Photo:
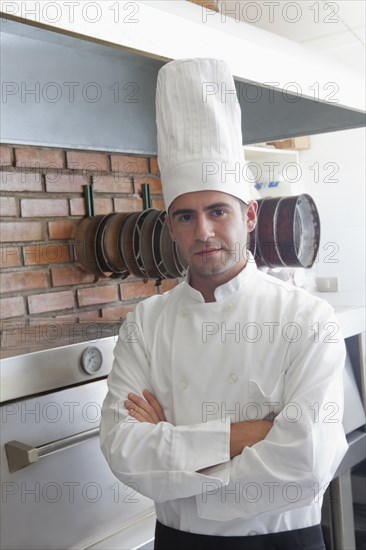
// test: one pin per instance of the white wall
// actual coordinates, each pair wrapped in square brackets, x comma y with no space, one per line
[340,197]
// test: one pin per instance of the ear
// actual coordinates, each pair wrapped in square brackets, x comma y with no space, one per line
[252,215]
[169,224]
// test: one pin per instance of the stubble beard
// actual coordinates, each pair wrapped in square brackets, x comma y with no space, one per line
[204,265]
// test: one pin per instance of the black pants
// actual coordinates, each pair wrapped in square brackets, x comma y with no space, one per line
[310,538]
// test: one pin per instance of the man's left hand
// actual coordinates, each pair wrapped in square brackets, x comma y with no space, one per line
[145,411]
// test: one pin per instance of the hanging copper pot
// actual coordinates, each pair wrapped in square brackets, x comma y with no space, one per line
[297,231]
[169,254]
[157,252]
[147,245]
[126,247]
[85,245]
[99,245]
[89,250]
[110,242]
[288,231]
[266,232]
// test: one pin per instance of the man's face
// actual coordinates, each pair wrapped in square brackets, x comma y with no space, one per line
[210,229]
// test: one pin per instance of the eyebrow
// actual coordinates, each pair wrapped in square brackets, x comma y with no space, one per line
[209,207]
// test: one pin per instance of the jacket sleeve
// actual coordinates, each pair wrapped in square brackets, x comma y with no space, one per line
[294,464]
[161,460]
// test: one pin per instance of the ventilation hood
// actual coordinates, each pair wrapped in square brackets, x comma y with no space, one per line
[284,89]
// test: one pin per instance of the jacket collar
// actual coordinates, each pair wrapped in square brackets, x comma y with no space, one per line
[224,291]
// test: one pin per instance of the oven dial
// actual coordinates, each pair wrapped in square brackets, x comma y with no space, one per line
[91,360]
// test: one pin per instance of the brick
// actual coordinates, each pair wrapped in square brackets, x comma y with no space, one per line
[64,276]
[117,313]
[6,155]
[130,291]
[158,203]
[12,307]
[52,301]
[46,253]
[155,184]
[77,207]
[80,315]
[167,284]
[154,166]
[129,164]
[92,162]
[13,334]
[44,207]
[10,256]
[62,229]
[97,295]
[128,204]
[113,184]
[20,231]
[23,280]
[101,206]
[8,206]
[34,157]
[21,181]
[65,183]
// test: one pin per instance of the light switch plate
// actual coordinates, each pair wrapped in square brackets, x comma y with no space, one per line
[327,284]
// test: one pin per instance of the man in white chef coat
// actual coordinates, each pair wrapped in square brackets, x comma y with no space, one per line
[225,399]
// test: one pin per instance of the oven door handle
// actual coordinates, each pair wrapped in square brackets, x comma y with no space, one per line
[20,455]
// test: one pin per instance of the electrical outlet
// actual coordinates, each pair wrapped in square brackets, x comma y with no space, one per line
[327,284]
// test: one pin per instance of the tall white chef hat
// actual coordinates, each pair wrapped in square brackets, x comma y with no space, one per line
[198,119]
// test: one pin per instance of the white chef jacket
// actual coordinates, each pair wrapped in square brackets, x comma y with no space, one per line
[264,349]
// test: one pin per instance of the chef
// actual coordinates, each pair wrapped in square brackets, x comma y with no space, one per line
[225,398]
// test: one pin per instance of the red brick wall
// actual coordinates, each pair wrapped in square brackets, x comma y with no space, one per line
[41,204]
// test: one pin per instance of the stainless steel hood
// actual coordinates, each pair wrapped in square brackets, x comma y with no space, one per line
[277,115]
[88,81]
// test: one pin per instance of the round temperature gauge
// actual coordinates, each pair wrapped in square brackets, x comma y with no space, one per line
[91,360]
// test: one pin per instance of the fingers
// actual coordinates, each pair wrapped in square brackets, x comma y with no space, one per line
[141,409]
[145,411]
[151,399]
[134,411]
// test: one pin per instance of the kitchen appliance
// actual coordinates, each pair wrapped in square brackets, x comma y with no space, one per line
[57,489]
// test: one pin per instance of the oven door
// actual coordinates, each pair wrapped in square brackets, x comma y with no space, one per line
[68,498]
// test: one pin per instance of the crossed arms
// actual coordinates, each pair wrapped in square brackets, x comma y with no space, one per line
[242,434]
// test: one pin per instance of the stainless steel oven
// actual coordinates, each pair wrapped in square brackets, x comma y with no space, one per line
[57,489]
